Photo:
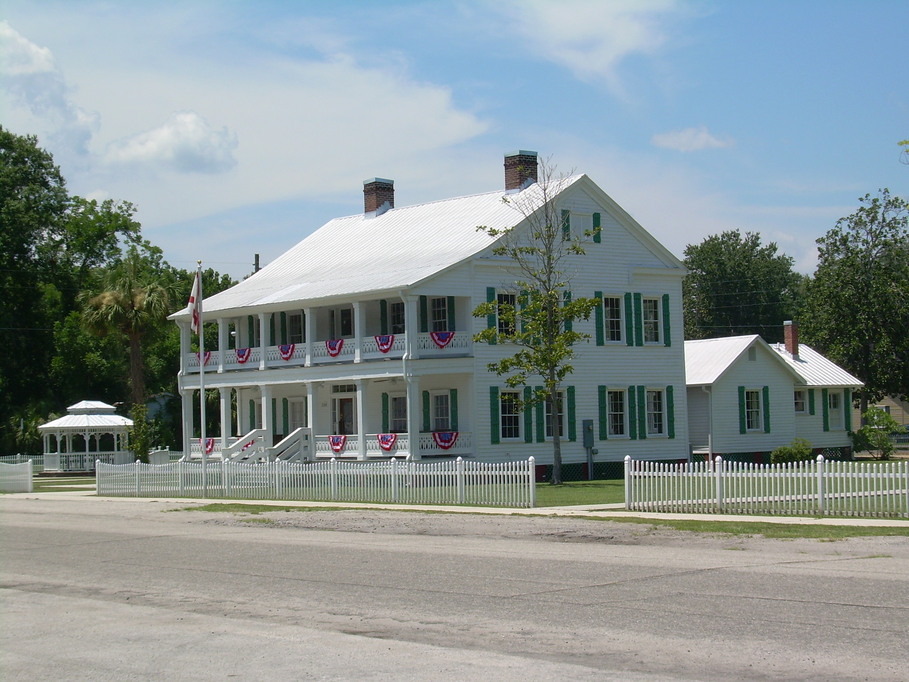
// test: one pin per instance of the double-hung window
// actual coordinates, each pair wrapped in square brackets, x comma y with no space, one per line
[509,415]
[612,307]
[398,414]
[441,411]
[799,401]
[439,314]
[616,415]
[656,418]
[753,421]
[560,415]
[506,310]
[651,320]
[295,328]
[396,317]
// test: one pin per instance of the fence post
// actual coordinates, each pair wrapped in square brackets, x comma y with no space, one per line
[334,479]
[138,484]
[98,485]
[820,484]
[394,479]
[181,469]
[718,478]
[459,468]
[628,496]
[532,481]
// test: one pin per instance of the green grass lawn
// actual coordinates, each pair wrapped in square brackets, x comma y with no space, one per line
[580,492]
[61,484]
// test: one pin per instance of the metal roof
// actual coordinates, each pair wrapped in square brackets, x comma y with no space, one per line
[816,369]
[370,252]
[86,416]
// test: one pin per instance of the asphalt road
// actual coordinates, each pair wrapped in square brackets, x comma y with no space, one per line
[126,590]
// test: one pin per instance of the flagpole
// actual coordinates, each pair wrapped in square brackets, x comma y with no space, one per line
[202,386]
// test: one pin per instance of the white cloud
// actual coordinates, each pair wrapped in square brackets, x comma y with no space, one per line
[185,143]
[591,37]
[690,140]
[31,79]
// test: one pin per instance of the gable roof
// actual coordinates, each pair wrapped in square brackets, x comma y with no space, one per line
[816,369]
[371,252]
[706,360]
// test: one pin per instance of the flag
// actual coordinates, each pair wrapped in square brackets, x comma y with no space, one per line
[194,306]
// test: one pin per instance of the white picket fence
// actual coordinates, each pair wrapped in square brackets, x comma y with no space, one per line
[814,488]
[36,460]
[16,478]
[502,484]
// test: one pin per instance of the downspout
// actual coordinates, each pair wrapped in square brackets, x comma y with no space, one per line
[709,393]
[408,380]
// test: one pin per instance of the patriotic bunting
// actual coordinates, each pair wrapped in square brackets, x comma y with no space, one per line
[243,355]
[385,342]
[441,339]
[337,443]
[334,346]
[445,439]
[207,358]
[209,445]
[287,350]
[387,440]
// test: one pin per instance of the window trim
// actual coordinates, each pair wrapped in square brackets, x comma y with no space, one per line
[656,322]
[513,302]
[796,400]
[662,413]
[547,413]
[517,415]
[392,399]
[623,394]
[620,307]
[434,416]
[397,309]
[758,413]
[436,323]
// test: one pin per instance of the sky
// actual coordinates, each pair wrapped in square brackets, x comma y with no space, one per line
[238,128]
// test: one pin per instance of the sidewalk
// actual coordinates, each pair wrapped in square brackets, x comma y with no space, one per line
[599,511]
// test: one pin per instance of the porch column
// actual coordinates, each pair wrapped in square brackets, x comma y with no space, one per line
[222,342]
[307,336]
[263,339]
[311,410]
[361,419]
[268,417]
[358,330]
[414,416]
[187,403]
[412,326]
[184,346]
[224,393]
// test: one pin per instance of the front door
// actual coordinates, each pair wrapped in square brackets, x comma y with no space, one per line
[343,416]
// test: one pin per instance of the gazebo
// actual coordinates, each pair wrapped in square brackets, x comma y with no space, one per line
[90,430]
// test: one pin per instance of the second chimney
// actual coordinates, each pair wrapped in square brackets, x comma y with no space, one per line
[520,169]
[378,195]
[791,337]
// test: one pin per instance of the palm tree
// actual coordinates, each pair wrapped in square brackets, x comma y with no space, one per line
[131,303]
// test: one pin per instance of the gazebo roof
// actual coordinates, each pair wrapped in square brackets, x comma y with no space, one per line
[88,415]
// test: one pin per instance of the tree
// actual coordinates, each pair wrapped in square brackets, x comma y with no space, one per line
[736,285]
[875,434]
[539,321]
[132,302]
[856,308]
[904,156]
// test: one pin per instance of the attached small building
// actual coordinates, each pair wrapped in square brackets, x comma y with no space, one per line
[747,397]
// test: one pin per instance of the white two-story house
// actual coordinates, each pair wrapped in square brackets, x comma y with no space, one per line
[361,336]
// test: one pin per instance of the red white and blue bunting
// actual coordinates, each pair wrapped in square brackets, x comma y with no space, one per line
[445,439]
[334,346]
[441,339]
[207,358]
[385,341]
[287,350]
[387,440]
[243,355]
[337,443]
[209,445]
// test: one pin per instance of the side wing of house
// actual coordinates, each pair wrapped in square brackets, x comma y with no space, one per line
[823,416]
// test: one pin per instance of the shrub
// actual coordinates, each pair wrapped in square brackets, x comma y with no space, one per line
[798,450]
[874,436]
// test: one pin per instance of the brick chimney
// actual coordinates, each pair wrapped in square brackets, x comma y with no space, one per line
[520,169]
[378,195]
[791,337]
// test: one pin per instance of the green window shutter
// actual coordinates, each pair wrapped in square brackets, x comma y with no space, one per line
[285,409]
[598,319]
[385,420]
[629,320]
[602,414]
[566,299]
[271,330]
[541,419]
[426,421]
[642,412]
[638,320]
[383,318]
[494,415]
[597,234]
[274,411]
[424,314]
[743,424]
[283,327]
[566,224]
[847,408]
[765,394]
[451,313]
[670,411]
[667,327]
[825,406]
[632,413]
[528,415]
[251,328]
[252,415]
[810,401]
[491,317]
[572,426]
[453,406]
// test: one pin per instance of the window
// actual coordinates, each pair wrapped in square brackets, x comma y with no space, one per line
[398,416]
[297,413]
[651,320]
[439,314]
[560,416]
[506,317]
[753,410]
[341,323]
[612,306]
[441,412]
[509,415]
[616,413]
[655,416]
[295,328]
[396,317]
[800,401]
[835,409]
